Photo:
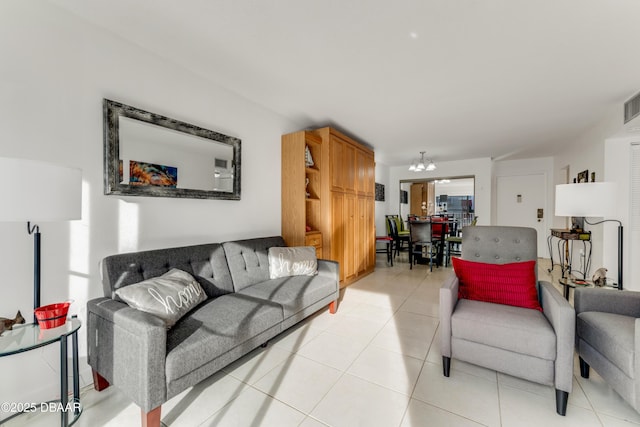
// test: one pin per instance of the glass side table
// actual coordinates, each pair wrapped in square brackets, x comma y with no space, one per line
[569,284]
[29,337]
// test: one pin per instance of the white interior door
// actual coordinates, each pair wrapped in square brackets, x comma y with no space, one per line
[519,197]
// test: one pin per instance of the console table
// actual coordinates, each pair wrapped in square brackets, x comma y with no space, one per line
[29,337]
[566,239]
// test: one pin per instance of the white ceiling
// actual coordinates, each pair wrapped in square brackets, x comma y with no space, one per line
[455,78]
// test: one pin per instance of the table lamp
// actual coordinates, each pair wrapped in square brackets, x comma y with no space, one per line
[592,199]
[40,192]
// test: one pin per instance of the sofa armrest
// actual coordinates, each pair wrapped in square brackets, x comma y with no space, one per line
[330,269]
[626,303]
[562,317]
[636,364]
[448,301]
[128,348]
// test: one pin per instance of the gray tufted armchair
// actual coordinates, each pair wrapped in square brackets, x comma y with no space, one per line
[537,346]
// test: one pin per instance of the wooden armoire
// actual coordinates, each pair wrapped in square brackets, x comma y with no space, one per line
[328,187]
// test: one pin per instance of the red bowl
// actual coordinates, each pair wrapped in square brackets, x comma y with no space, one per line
[52,315]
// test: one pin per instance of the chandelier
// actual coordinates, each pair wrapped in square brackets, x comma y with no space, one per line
[421,165]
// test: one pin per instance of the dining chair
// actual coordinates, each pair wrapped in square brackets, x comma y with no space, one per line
[398,238]
[440,231]
[421,242]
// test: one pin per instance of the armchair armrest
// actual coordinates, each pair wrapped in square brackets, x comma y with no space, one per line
[562,317]
[128,348]
[448,301]
[626,303]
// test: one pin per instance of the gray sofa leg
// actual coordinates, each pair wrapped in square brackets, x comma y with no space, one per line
[562,397]
[584,368]
[446,365]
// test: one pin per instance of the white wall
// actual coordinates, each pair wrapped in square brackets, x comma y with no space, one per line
[55,72]
[480,168]
[382,177]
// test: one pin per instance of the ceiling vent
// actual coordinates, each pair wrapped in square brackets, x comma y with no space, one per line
[632,108]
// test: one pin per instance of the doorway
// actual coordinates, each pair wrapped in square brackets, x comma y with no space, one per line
[452,196]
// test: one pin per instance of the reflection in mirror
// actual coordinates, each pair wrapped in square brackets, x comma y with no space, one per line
[151,155]
[454,197]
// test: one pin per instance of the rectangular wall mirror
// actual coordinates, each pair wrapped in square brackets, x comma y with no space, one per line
[146,154]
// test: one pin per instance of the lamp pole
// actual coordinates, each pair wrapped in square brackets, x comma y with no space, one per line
[35,230]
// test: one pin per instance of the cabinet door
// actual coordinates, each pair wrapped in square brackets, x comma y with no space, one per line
[349,256]
[365,173]
[349,167]
[370,175]
[343,165]
[362,256]
[365,244]
[337,163]
[361,172]
[338,230]
[370,248]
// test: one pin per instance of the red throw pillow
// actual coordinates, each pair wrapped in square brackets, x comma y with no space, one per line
[510,284]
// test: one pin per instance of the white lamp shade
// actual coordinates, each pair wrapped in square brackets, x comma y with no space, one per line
[37,191]
[593,199]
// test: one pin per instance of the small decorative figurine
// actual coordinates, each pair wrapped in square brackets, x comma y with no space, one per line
[7,324]
[308,160]
[600,277]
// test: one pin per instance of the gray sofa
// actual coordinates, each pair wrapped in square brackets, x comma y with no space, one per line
[134,351]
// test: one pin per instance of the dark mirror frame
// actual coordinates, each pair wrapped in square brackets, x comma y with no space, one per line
[112,111]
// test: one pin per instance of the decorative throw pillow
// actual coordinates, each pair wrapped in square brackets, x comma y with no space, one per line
[510,284]
[296,261]
[169,296]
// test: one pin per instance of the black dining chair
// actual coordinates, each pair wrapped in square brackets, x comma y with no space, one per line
[421,243]
[397,237]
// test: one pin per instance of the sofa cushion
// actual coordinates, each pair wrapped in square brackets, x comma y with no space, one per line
[216,327]
[507,327]
[294,293]
[613,336]
[294,261]
[249,260]
[169,296]
[207,263]
[511,284]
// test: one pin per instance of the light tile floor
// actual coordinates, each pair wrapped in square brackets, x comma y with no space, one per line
[374,363]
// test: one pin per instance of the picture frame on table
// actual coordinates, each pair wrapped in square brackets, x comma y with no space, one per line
[583,176]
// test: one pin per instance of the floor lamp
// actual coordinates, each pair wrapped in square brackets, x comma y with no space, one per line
[593,199]
[41,192]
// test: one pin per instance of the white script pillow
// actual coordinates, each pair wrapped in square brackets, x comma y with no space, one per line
[296,261]
[169,296]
